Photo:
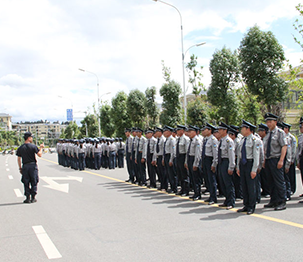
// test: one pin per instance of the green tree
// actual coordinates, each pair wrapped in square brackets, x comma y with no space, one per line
[136,108]
[298,26]
[119,114]
[107,126]
[151,106]
[171,113]
[261,59]
[171,106]
[250,107]
[71,131]
[89,126]
[224,68]
[197,112]
[195,76]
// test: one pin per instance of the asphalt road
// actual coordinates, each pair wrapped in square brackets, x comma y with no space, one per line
[96,216]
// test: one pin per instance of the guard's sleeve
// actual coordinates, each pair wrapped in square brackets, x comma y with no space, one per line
[239,154]
[155,154]
[144,152]
[256,155]
[215,144]
[293,149]
[261,153]
[172,149]
[231,155]
[198,152]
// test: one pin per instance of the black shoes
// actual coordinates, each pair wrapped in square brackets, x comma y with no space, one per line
[270,205]
[280,207]
[211,202]
[194,198]
[249,212]
[229,207]
[243,209]
[27,200]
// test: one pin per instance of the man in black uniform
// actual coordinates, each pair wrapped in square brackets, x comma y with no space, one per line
[29,169]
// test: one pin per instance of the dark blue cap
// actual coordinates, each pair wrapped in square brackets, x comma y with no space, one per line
[270,116]
[209,126]
[167,128]
[192,128]
[263,127]
[222,125]
[181,127]
[286,125]
[247,124]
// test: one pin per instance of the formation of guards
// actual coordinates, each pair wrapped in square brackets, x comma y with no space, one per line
[230,161]
[92,153]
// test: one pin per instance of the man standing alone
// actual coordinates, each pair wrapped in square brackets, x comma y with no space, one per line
[29,169]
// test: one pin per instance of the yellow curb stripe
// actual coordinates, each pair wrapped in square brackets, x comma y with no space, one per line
[277,220]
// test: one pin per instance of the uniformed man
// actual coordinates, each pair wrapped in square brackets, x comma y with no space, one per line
[96,153]
[148,155]
[129,163]
[168,158]
[233,133]
[210,161]
[120,154]
[262,131]
[111,153]
[292,171]
[275,148]
[226,165]
[81,154]
[192,161]
[181,148]
[158,157]
[247,166]
[29,170]
[140,160]
[299,153]
[134,152]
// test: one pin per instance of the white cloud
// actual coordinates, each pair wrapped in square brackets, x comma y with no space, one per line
[43,43]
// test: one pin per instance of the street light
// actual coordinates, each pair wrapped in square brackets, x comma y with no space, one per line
[183,65]
[99,128]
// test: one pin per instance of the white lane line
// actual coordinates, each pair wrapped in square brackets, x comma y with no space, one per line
[7,169]
[18,192]
[49,248]
[6,164]
[10,177]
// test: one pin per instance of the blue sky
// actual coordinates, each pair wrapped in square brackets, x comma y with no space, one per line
[44,43]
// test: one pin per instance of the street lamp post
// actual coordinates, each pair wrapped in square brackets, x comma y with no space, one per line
[183,56]
[98,102]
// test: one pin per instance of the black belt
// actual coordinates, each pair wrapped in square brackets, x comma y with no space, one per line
[29,163]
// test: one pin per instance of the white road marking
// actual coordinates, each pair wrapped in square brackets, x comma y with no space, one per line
[18,192]
[6,164]
[48,246]
[60,187]
[10,177]
[7,169]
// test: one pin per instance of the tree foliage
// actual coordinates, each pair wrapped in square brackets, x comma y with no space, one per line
[261,59]
[171,105]
[107,126]
[195,76]
[71,131]
[151,106]
[9,138]
[197,112]
[136,107]
[224,68]
[89,124]
[119,114]
[298,26]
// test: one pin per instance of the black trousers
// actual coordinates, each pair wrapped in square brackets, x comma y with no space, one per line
[276,181]
[264,183]
[211,177]
[161,173]
[172,176]
[248,185]
[292,178]
[227,184]
[130,168]
[81,161]
[195,176]
[121,158]
[135,166]
[30,179]
[237,184]
[141,169]
[151,170]
[182,173]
